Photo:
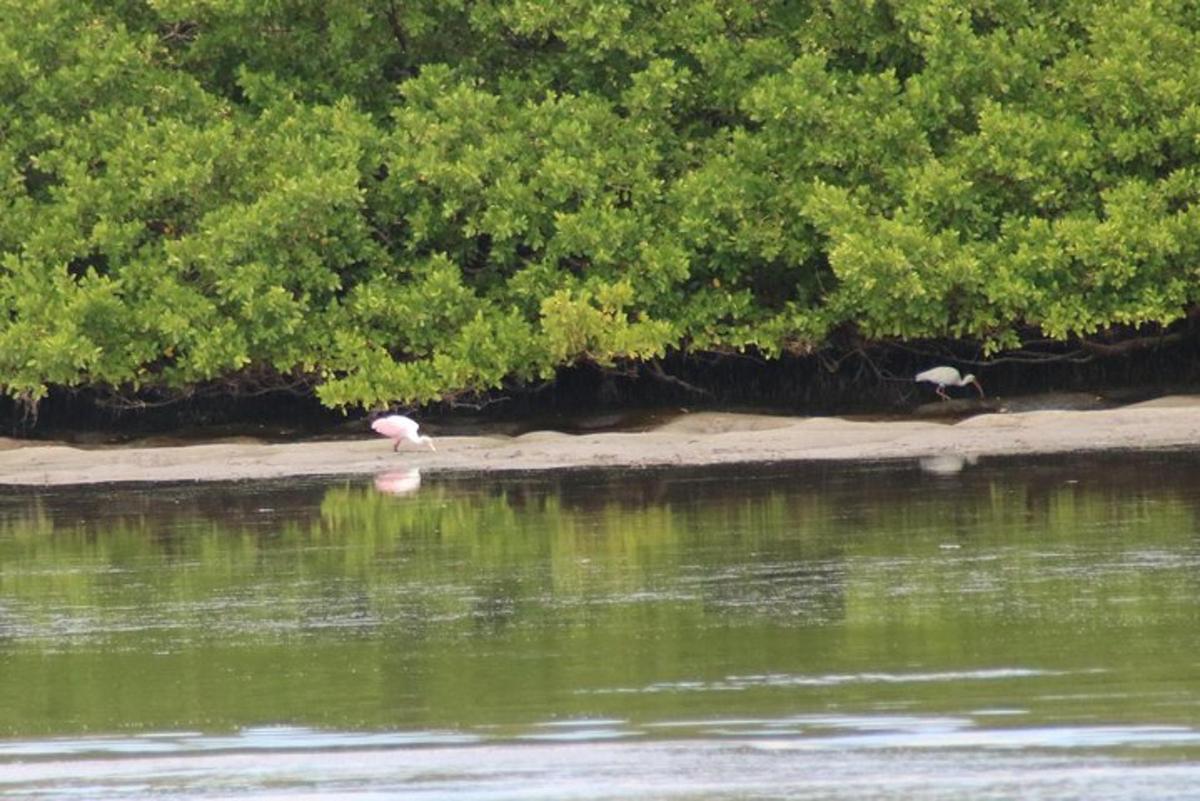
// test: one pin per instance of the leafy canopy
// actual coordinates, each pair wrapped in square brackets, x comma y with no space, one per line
[400,202]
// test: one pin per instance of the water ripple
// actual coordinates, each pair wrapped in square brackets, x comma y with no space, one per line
[737,683]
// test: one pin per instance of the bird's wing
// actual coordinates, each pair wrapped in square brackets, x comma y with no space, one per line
[395,425]
[939,375]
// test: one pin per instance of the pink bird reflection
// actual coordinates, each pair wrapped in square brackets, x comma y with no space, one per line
[399,482]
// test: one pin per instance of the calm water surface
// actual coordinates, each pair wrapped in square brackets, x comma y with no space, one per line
[942,630]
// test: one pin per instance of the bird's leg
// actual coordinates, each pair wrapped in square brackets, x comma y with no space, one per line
[396,446]
[942,391]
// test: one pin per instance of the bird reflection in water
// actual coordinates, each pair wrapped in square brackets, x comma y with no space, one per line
[947,464]
[399,482]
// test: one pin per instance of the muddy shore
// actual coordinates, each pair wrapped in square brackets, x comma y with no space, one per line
[705,438]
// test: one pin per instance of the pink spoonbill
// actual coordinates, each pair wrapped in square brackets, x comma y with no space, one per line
[397,427]
[943,377]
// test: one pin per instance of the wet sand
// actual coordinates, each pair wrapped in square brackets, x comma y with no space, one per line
[706,438]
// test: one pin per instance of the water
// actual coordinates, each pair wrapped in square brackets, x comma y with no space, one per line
[943,630]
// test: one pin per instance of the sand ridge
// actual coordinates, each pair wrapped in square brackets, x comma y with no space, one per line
[706,438]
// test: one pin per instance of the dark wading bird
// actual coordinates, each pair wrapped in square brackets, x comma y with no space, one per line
[399,428]
[943,377]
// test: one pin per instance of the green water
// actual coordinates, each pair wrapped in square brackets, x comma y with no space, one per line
[1046,610]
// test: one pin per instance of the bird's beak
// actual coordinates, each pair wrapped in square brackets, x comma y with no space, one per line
[979,387]
[430,444]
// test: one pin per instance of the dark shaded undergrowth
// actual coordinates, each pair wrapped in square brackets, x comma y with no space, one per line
[867,381]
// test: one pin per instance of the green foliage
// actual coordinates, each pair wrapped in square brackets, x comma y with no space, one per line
[403,202]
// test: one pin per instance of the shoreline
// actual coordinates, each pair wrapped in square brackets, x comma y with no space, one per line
[691,440]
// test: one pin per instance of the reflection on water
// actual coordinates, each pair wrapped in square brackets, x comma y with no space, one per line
[928,758]
[1015,628]
[399,482]
[947,464]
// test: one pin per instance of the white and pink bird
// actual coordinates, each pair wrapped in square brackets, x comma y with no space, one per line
[399,428]
[942,377]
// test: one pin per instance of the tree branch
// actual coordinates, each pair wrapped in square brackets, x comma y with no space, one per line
[1130,345]
[654,370]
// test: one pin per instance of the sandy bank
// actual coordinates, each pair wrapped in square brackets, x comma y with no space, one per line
[696,439]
